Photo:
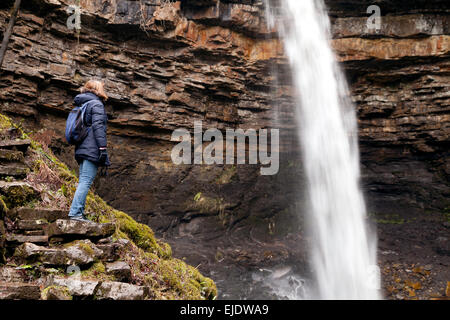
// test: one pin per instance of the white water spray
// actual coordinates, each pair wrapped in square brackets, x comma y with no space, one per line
[343,253]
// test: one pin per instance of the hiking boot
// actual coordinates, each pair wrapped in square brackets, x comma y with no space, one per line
[80,218]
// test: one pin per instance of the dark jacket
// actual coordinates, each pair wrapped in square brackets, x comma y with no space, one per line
[95,119]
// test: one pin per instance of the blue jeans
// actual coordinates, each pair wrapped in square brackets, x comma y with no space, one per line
[88,171]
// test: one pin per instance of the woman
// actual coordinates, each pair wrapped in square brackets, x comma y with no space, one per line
[92,152]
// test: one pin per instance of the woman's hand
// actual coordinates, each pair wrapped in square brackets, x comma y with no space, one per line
[103,159]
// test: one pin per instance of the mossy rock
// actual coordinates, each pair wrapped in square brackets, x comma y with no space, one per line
[56,293]
[19,195]
[3,208]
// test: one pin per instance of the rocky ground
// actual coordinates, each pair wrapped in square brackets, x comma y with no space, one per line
[414,255]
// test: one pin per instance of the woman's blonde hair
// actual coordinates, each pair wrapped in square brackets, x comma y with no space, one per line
[96,87]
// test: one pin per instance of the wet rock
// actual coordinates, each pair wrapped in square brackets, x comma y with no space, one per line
[68,228]
[19,291]
[120,270]
[112,290]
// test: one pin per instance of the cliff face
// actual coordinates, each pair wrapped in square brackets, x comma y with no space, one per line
[167,64]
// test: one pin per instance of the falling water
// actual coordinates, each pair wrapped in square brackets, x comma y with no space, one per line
[343,253]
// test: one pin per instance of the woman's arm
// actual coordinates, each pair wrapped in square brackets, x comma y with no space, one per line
[98,124]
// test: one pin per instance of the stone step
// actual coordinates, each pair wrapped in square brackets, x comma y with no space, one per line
[12,239]
[101,290]
[31,225]
[21,145]
[80,253]
[10,274]
[77,287]
[49,215]
[80,229]
[19,291]
[10,133]
[11,155]
[113,290]
[13,169]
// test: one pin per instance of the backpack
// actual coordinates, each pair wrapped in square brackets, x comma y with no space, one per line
[76,128]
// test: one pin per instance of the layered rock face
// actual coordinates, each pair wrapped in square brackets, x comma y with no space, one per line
[167,64]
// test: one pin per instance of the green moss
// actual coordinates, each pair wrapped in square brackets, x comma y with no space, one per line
[82,245]
[18,196]
[3,207]
[187,280]
[98,272]
[86,248]
[62,293]
[5,122]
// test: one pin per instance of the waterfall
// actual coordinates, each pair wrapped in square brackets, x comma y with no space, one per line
[343,251]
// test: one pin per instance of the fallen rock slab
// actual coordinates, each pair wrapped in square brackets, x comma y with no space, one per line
[63,228]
